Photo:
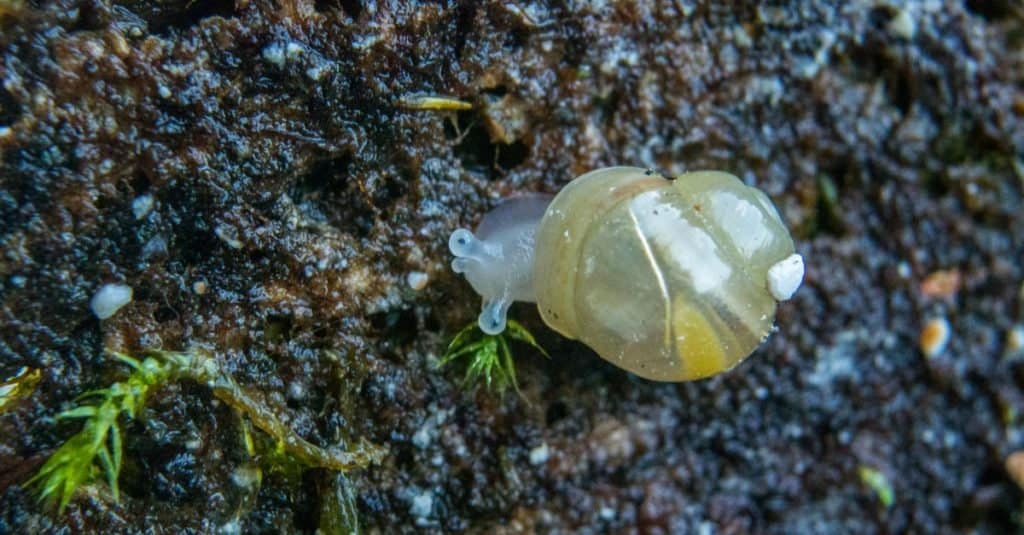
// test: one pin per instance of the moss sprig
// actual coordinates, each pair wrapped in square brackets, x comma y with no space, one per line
[490,357]
[98,446]
[17,387]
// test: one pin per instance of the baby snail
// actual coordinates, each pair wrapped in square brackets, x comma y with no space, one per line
[672,280]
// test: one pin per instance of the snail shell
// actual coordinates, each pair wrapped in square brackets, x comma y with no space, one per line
[672,280]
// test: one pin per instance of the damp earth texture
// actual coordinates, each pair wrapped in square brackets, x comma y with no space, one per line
[274,183]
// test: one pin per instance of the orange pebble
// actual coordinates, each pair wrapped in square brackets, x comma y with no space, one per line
[941,283]
[1015,467]
[934,336]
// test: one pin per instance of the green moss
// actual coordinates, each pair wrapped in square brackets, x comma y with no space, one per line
[97,447]
[16,387]
[490,358]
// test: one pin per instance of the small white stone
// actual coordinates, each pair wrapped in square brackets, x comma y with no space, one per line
[163,91]
[142,205]
[903,270]
[421,438]
[902,25]
[540,454]
[296,390]
[317,72]
[232,527]
[785,277]
[422,504]
[246,477]
[293,50]
[417,280]
[228,236]
[274,53]
[110,299]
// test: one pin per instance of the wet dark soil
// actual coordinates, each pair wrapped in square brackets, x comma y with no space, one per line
[253,171]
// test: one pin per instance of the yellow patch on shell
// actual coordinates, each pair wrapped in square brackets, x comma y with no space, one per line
[698,347]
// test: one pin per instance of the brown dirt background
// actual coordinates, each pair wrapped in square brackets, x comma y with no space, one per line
[287,176]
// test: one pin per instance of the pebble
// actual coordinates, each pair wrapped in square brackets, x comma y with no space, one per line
[540,454]
[941,283]
[934,336]
[109,299]
[142,205]
[902,26]
[422,505]
[1015,467]
[417,280]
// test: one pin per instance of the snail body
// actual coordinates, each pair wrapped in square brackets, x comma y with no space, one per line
[672,280]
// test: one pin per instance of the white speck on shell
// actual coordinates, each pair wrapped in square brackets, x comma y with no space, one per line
[785,277]
[109,299]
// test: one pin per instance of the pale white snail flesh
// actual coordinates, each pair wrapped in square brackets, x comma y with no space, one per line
[672,280]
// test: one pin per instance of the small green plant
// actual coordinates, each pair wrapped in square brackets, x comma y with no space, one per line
[17,387]
[97,447]
[490,358]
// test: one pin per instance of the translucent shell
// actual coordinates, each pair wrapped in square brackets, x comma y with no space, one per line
[667,279]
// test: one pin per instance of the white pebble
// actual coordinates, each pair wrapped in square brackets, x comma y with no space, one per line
[417,280]
[540,454]
[785,277]
[228,236]
[274,53]
[903,270]
[902,25]
[280,53]
[142,205]
[110,299]
[232,527]
[422,504]
[246,477]
[317,72]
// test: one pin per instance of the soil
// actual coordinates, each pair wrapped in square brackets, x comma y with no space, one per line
[254,171]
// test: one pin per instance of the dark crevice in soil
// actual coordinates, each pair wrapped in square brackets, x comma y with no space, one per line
[991,9]
[164,20]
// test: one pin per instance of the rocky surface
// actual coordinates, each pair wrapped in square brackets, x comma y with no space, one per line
[253,172]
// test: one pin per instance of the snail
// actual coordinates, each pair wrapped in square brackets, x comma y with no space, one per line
[672,280]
